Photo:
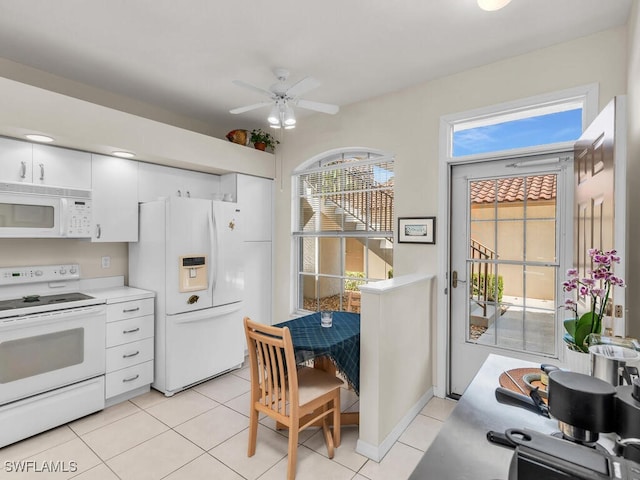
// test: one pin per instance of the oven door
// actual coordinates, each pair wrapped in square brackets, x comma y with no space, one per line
[44,351]
[29,216]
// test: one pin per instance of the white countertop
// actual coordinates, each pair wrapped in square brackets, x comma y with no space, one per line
[120,294]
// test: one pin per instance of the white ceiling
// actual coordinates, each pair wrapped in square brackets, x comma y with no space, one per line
[183,55]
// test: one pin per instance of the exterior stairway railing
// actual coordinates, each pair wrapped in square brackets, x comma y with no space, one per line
[484,285]
[370,206]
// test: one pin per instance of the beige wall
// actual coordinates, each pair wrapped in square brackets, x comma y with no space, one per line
[16,252]
[407,124]
[633,174]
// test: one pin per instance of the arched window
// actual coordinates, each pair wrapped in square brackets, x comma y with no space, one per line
[343,226]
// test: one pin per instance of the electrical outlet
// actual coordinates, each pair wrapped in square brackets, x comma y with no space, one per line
[106,262]
[619,311]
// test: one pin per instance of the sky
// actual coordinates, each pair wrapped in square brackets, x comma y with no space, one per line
[543,129]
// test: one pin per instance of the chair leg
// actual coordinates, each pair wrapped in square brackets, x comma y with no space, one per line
[326,431]
[253,431]
[336,419]
[293,448]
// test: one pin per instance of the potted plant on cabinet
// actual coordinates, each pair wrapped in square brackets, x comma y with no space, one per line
[595,290]
[262,140]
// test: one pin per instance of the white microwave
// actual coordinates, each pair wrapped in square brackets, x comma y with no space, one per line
[38,211]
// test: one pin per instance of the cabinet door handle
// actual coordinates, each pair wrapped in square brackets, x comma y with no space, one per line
[188,194]
[42,171]
[179,193]
[129,310]
[132,330]
[129,355]
[23,169]
[98,230]
[131,379]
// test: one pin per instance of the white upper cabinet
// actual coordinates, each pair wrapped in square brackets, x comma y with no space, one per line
[255,199]
[115,199]
[61,167]
[44,165]
[15,160]
[160,181]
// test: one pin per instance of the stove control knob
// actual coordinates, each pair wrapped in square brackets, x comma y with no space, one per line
[63,271]
[38,273]
[72,270]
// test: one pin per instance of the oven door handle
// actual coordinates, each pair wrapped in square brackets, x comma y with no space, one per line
[48,317]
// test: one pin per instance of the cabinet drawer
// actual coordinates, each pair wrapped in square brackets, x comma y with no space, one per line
[134,308]
[124,356]
[130,330]
[128,379]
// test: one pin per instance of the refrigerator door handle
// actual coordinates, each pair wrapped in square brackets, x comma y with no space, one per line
[206,315]
[213,261]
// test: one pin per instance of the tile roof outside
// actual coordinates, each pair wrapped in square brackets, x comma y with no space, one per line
[512,189]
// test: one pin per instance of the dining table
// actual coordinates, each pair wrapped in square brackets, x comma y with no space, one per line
[334,348]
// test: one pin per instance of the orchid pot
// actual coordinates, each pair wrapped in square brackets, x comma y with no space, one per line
[593,290]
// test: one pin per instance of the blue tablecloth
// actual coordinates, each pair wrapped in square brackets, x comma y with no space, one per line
[341,342]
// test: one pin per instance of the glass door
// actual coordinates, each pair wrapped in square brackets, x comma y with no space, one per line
[509,222]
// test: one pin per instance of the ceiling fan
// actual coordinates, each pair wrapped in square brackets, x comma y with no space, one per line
[283,97]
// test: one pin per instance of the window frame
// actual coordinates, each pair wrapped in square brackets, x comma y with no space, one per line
[590,98]
[587,95]
[315,164]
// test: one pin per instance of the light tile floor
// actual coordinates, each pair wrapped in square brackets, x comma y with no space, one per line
[202,433]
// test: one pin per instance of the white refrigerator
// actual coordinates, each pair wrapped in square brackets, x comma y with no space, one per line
[190,253]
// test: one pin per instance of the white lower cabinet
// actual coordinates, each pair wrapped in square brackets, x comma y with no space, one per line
[129,353]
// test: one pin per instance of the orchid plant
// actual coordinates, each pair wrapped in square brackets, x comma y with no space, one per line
[596,289]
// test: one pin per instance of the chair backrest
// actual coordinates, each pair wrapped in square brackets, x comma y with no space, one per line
[271,358]
[353,303]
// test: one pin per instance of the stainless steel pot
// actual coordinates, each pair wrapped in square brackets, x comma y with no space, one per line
[614,364]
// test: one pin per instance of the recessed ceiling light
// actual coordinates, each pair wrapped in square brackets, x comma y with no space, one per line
[492,5]
[39,138]
[124,154]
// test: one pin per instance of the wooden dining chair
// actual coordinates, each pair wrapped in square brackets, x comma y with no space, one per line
[294,396]
[353,302]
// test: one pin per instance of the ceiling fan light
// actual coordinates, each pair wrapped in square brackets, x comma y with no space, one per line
[289,117]
[275,125]
[289,127]
[492,5]
[274,116]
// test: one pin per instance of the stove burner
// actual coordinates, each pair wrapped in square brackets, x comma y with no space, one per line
[37,300]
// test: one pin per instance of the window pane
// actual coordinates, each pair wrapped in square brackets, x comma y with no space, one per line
[379,258]
[346,223]
[511,240]
[309,295]
[541,240]
[330,256]
[308,254]
[518,133]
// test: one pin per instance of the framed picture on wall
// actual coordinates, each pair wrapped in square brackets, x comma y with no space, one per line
[417,230]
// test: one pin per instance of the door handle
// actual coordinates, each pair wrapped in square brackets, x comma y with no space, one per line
[455,280]
[42,171]
[23,168]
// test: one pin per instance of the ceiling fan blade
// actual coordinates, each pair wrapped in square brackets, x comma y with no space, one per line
[263,91]
[303,86]
[250,107]
[318,107]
